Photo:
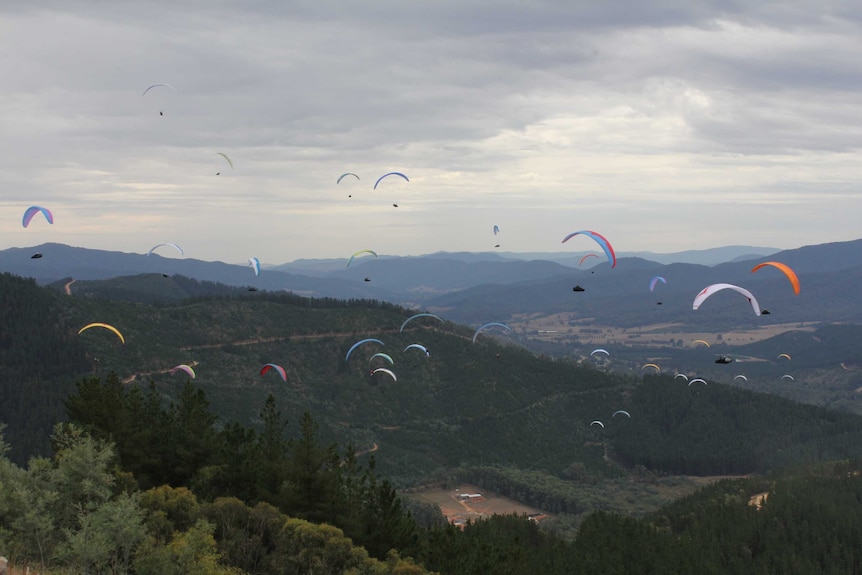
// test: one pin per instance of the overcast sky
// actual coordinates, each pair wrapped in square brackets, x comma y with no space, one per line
[663,125]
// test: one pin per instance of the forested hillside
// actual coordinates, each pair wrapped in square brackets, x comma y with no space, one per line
[40,359]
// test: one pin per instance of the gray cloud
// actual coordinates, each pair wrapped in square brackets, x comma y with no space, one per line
[539,116]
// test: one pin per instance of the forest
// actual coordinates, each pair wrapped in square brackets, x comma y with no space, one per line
[112,499]
[238,472]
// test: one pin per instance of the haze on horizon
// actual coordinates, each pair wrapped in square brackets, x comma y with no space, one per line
[666,127]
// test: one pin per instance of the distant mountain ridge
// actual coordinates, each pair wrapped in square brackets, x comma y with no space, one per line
[472,287]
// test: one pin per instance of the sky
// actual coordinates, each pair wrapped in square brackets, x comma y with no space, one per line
[663,125]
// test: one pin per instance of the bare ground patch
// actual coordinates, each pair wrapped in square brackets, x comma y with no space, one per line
[565,327]
[458,508]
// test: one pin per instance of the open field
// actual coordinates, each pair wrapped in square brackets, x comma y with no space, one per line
[568,327]
[458,511]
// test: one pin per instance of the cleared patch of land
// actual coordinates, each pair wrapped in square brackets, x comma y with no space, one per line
[568,327]
[458,508]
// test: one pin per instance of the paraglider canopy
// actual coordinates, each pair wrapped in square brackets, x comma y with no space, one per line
[654,281]
[589,255]
[488,325]
[386,371]
[350,260]
[255,264]
[230,163]
[185,368]
[271,366]
[344,175]
[711,289]
[414,316]
[600,239]
[157,85]
[175,246]
[103,325]
[791,275]
[33,210]
[360,342]
[390,174]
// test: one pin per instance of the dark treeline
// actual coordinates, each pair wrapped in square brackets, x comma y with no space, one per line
[141,487]
[182,446]
[721,430]
[808,523]
[40,358]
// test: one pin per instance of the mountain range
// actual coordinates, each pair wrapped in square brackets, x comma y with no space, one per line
[477,287]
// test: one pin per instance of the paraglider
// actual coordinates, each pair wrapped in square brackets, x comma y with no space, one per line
[33,210]
[696,379]
[597,422]
[740,376]
[414,316]
[161,113]
[272,366]
[787,376]
[656,367]
[492,324]
[390,174]
[600,350]
[255,265]
[175,246]
[386,371]
[156,85]
[230,163]
[421,348]
[581,262]
[600,239]
[791,275]
[185,368]
[344,175]
[784,355]
[621,412]
[711,289]
[360,342]
[103,325]
[682,375]
[382,355]
[654,281]
[697,341]
[350,261]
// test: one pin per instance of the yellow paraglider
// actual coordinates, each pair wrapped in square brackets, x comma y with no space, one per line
[104,325]
[700,341]
[646,365]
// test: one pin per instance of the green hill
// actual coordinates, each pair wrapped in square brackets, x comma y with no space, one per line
[485,411]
